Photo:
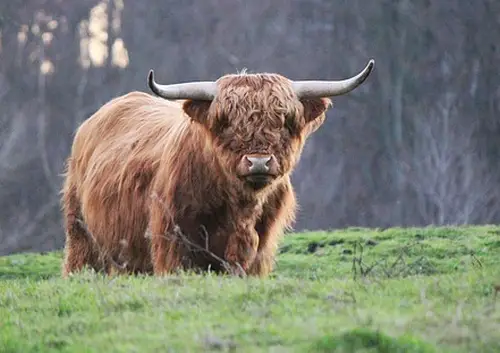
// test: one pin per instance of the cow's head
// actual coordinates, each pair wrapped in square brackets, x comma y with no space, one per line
[258,122]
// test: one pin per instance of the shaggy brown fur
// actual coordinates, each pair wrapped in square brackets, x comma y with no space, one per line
[151,184]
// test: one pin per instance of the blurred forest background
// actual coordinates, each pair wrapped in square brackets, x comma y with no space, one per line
[417,144]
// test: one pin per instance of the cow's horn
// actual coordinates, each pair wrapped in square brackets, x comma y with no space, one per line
[313,89]
[203,90]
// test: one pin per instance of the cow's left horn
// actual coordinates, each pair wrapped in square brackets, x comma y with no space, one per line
[203,90]
[313,89]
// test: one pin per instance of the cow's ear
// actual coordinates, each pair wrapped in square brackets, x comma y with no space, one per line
[314,109]
[197,110]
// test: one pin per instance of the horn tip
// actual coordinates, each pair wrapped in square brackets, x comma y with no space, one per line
[368,69]
[151,82]
[371,63]
[151,76]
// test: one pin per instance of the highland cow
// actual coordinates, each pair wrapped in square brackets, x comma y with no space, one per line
[195,178]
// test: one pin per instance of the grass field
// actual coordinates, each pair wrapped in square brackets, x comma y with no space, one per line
[355,290]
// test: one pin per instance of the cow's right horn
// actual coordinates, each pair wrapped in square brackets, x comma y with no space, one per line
[202,90]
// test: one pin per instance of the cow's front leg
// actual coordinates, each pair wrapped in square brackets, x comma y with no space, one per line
[241,250]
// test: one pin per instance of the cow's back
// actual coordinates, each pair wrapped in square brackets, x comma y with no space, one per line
[135,120]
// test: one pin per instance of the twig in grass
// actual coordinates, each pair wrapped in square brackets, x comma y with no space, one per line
[354,261]
[398,267]
[357,261]
[194,247]
[476,259]
[398,259]
[371,267]
[358,265]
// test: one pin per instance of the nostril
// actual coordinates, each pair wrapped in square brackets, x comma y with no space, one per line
[258,164]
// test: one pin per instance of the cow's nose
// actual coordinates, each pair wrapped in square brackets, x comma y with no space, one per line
[258,165]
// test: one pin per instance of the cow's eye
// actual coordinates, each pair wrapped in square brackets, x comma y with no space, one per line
[221,123]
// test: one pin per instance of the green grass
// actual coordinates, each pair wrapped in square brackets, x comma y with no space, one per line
[355,290]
